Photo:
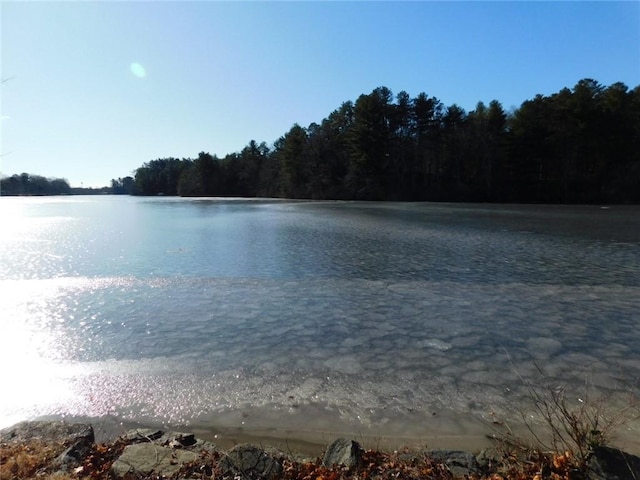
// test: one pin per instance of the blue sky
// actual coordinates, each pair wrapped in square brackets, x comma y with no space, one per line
[95,89]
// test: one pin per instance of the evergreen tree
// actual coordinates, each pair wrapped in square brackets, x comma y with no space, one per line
[577,145]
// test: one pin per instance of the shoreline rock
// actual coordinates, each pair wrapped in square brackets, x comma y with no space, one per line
[151,453]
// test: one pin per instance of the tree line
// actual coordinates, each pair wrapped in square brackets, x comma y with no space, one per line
[30,184]
[579,145]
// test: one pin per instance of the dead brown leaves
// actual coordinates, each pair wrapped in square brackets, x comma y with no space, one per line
[97,464]
[375,465]
[537,466]
[33,460]
[26,460]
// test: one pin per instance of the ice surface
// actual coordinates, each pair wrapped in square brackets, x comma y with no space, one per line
[354,361]
[320,317]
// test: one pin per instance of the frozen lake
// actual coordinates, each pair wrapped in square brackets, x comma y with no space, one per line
[398,320]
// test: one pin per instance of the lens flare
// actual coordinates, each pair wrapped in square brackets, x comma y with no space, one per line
[138,70]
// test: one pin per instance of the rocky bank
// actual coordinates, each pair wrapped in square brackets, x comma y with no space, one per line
[157,454]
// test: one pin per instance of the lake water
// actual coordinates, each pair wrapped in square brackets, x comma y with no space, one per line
[311,318]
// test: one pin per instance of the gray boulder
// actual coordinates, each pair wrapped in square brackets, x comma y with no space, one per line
[158,453]
[77,437]
[249,462]
[488,459]
[144,459]
[343,452]
[612,464]
[168,439]
[48,432]
[143,435]
[459,463]
[74,455]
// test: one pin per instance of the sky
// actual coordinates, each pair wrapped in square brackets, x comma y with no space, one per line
[92,90]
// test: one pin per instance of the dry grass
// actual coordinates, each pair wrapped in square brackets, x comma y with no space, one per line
[35,459]
[27,460]
[566,428]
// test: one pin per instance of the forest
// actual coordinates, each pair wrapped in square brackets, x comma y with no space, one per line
[579,145]
[30,184]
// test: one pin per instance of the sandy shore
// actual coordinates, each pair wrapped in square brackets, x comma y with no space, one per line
[313,442]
